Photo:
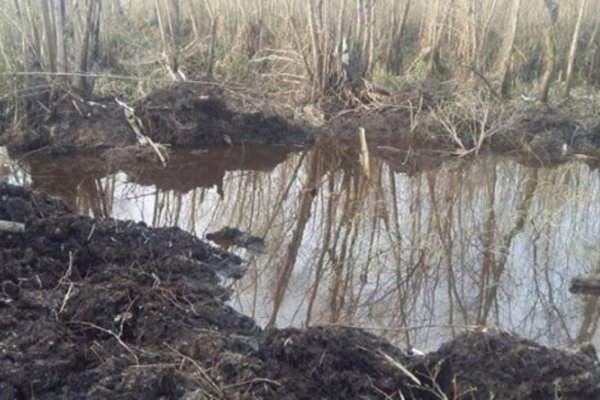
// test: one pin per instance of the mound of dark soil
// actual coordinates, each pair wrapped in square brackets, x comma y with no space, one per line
[180,115]
[185,117]
[334,363]
[102,309]
[503,366]
[390,121]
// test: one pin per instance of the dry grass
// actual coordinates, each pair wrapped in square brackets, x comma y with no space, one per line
[292,48]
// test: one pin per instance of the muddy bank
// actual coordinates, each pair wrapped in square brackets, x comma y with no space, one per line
[114,309]
[416,120]
[433,119]
[183,115]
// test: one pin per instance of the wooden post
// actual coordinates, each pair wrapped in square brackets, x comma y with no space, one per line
[364,152]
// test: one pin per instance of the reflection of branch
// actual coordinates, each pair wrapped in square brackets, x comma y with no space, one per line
[325,245]
[339,282]
[586,285]
[284,195]
[487,240]
[591,317]
[292,250]
[498,269]
[591,307]
[446,237]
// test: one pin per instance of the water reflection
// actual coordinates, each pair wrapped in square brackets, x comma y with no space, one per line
[415,252]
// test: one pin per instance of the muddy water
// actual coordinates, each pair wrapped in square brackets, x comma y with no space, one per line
[417,252]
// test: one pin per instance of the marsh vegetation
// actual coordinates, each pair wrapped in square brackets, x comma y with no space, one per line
[297,48]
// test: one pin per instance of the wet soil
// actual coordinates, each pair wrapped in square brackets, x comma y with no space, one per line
[99,309]
[181,115]
[413,120]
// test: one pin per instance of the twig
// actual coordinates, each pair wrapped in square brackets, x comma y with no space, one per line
[125,316]
[111,333]
[208,379]
[483,78]
[414,117]
[64,280]
[136,125]
[253,381]
[401,367]
[69,270]
[91,234]
[66,298]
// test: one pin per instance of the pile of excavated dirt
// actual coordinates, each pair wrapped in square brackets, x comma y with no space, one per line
[182,115]
[500,365]
[108,309]
[102,309]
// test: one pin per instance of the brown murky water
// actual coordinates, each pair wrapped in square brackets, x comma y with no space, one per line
[417,252]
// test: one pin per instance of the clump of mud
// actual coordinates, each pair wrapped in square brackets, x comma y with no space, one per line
[228,236]
[102,309]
